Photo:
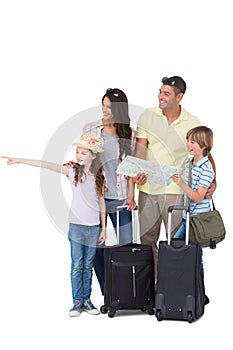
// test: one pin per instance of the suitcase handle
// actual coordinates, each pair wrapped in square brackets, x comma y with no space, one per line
[134,223]
[170,211]
[178,207]
[119,207]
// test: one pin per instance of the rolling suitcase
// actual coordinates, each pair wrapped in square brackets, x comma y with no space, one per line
[129,277]
[180,291]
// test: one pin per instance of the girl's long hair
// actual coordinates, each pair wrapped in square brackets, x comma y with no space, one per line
[120,111]
[96,169]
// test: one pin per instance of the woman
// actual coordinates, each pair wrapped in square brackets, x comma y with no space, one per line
[119,141]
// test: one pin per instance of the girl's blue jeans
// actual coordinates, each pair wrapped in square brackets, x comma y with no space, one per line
[83,241]
[180,233]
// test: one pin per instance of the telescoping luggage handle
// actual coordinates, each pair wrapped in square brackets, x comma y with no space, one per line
[170,210]
[134,223]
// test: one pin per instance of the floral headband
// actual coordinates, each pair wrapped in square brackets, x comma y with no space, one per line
[91,142]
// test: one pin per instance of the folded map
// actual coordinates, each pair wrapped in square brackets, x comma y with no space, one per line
[158,173]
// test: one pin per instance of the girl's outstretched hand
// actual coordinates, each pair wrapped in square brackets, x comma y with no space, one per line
[11,160]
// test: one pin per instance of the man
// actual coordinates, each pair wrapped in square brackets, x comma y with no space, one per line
[161,137]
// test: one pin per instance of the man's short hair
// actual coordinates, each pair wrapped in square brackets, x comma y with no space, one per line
[175,81]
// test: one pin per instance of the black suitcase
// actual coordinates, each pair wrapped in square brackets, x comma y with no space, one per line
[180,293]
[129,278]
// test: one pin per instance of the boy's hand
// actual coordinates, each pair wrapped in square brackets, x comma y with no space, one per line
[177,179]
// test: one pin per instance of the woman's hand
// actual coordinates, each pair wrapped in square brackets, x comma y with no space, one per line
[131,204]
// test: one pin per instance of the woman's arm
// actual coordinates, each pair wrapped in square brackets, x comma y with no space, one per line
[141,147]
[38,163]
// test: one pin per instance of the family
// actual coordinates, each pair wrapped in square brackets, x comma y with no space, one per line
[167,134]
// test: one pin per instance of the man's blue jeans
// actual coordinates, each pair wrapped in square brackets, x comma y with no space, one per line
[83,241]
[180,233]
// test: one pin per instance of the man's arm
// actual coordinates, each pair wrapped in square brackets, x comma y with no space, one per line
[141,147]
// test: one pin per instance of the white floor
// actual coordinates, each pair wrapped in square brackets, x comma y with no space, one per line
[36,297]
[36,292]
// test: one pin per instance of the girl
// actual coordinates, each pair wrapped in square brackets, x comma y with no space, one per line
[87,214]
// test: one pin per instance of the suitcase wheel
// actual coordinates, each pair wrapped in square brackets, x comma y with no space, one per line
[151,311]
[158,315]
[190,317]
[103,309]
[111,313]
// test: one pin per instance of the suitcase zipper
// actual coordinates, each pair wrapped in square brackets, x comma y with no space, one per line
[134,281]
[134,250]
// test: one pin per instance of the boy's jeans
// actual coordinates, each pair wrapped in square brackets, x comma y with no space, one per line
[83,241]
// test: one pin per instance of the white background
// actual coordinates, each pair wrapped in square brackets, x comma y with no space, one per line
[57,59]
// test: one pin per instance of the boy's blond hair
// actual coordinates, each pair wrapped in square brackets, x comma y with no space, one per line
[203,136]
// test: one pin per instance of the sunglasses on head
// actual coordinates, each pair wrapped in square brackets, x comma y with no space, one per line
[168,81]
[171,82]
[114,92]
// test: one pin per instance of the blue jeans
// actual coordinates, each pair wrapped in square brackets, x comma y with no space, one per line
[125,220]
[125,236]
[83,241]
[99,267]
[180,233]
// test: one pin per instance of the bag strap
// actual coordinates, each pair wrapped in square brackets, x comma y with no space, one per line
[190,182]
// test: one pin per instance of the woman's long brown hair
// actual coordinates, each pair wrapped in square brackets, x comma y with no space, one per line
[120,111]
